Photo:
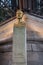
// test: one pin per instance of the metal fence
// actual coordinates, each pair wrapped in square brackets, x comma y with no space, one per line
[9,7]
[32,6]
[6,9]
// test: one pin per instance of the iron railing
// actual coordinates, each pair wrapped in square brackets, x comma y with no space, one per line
[8,8]
[34,7]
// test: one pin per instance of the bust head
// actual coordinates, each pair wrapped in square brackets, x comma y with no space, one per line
[19,14]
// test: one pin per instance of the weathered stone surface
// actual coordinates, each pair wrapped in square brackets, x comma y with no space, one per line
[19,46]
[35,58]
[6,58]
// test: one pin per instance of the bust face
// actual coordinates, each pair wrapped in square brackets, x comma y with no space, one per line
[19,14]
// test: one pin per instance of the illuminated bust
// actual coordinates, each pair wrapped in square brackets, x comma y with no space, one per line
[19,14]
[21,18]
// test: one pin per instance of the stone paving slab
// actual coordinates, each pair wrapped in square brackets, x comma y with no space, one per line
[35,56]
[6,48]
[35,46]
[6,58]
[34,63]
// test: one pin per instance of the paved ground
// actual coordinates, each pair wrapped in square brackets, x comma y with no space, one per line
[34,54]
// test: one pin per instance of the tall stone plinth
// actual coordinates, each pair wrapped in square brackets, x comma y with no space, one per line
[19,45]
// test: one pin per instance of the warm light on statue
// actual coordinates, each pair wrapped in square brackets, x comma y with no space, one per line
[22,18]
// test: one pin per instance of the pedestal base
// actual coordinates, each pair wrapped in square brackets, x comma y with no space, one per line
[19,46]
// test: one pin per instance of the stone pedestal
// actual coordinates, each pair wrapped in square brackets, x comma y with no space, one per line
[19,46]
